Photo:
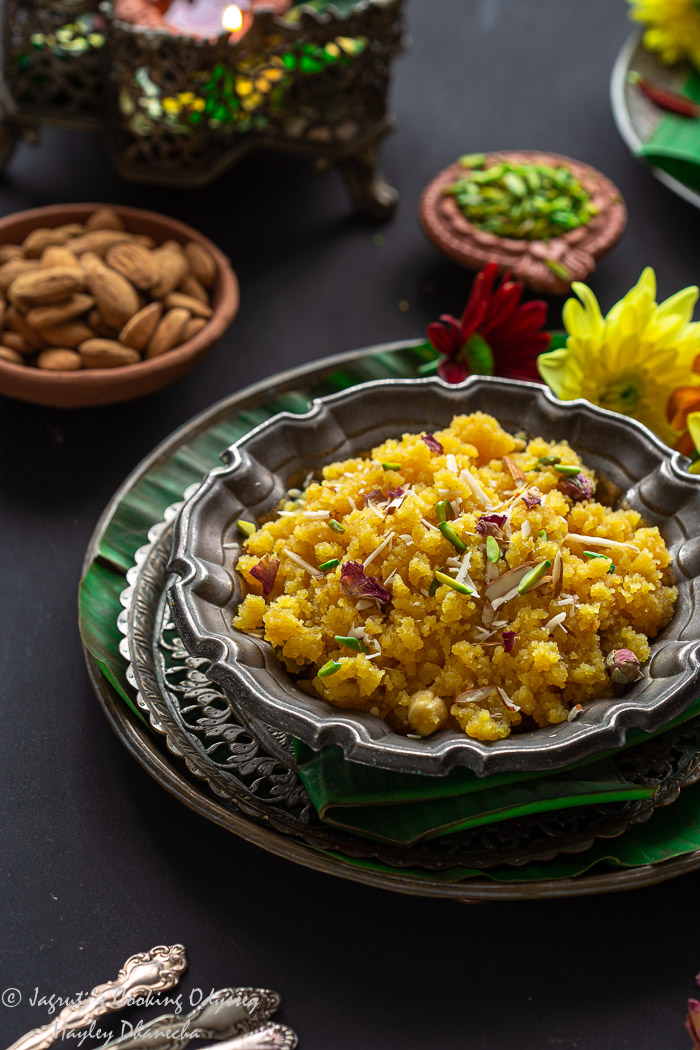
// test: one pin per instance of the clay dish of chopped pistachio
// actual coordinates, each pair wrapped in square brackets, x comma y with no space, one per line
[545,218]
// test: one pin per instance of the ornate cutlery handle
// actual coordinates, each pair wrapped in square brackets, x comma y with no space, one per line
[153,971]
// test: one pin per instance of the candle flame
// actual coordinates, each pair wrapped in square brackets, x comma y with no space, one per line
[232,18]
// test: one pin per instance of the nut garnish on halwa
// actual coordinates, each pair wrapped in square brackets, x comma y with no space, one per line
[462,579]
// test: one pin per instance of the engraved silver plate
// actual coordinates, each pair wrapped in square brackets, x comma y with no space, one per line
[262,465]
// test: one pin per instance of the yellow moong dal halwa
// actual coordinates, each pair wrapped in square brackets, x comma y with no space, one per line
[464,579]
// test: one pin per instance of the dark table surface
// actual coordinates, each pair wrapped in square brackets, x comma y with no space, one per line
[97,860]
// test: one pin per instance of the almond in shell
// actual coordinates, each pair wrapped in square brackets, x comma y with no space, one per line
[139,329]
[69,335]
[115,297]
[18,323]
[168,333]
[106,353]
[16,342]
[46,284]
[189,285]
[58,360]
[36,242]
[201,263]
[13,268]
[134,262]
[59,313]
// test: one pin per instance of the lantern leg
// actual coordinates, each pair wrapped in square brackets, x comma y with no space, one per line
[369,190]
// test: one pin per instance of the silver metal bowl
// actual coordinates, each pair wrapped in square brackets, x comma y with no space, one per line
[272,457]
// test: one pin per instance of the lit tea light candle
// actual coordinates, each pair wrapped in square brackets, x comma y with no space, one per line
[200,18]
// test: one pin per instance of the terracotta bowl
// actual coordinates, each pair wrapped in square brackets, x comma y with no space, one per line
[577,250]
[96,386]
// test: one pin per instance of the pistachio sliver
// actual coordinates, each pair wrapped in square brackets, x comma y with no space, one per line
[329,668]
[462,588]
[332,563]
[246,527]
[350,642]
[534,576]
[450,534]
[493,551]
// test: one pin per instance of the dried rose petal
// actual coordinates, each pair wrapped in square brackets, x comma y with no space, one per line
[490,524]
[692,1022]
[433,444]
[623,666]
[532,498]
[356,582]
[266,572]
[395,493]
[509,640]
[376,496]
[578,488]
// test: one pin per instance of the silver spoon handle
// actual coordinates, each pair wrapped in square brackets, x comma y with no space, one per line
[267,1037]
[153,971]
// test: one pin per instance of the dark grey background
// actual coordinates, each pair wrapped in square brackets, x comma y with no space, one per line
[99,862]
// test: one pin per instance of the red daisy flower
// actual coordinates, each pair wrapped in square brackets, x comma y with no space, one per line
[496,333]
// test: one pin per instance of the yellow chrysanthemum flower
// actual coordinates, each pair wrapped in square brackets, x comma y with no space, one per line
[633,359]
[674,28]
[694,430]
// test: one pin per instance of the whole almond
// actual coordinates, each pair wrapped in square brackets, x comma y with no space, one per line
[3,308]
[59,360]
[139,329]
[94,319]
[36,242]
[71,334]
[115,297]
[201,262]
[57,255]
[10,251]
[168,332]
[46,284]
[106,353]
[187,302]
[105,219]
[59,313]
[97,241]
[72,229]
[10,355]
[172,266]
[135,262]
[90,261]
[193,327]
[189,285]
[13,268]
[16,342]
[144,239]
[18,323]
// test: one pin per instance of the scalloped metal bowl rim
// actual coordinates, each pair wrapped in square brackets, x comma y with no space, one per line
[352,730]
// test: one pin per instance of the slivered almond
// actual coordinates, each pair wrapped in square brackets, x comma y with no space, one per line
[557,574]
[58,360]
[134,262]
[187,302]
[69,335]
[201,263]
[106,353]
[514,470]
[168,332]
[139,329]
[105,219]
[507,581]
[46,284]
[116,297]
[59,313]
[172,267]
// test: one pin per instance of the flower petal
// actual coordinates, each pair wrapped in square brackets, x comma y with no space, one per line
[452,371]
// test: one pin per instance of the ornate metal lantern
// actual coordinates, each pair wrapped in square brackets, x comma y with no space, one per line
[180,110]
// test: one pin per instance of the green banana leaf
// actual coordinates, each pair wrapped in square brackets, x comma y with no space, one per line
[674,146]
